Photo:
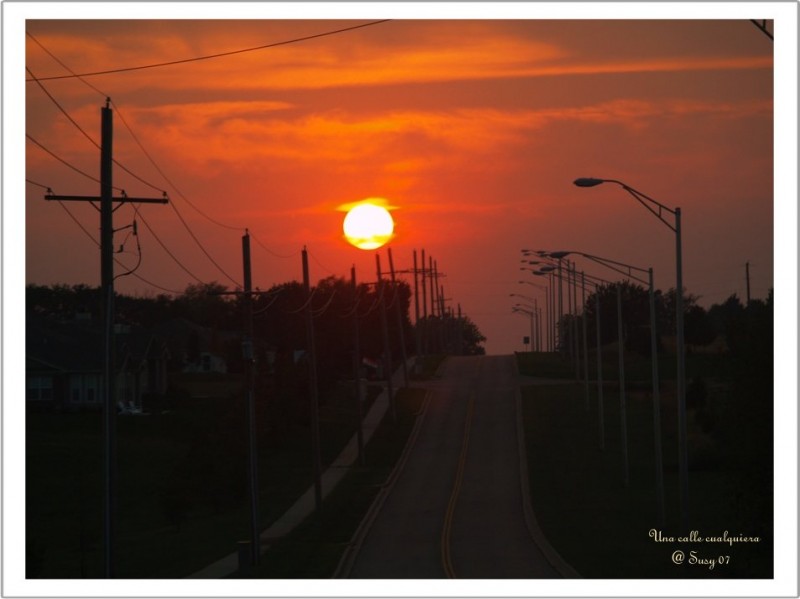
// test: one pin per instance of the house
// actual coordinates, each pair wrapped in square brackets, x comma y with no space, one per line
[194,348]
[64,365]
[141,367]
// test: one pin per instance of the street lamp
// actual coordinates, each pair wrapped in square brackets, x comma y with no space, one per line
[621,267]
[543,339]
[518,308]
[596,281]
[533,310]
[658,210]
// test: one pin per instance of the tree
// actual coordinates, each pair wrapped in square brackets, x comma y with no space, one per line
[636,321]
[204,303]
[472,339]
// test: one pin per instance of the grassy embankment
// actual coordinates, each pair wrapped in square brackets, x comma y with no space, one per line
[602,528]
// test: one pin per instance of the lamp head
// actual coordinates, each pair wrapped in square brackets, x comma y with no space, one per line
[559,255]
[587,182]
[546,269]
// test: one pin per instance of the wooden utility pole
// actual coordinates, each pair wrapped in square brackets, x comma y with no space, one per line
[248,356]
[313,392]
[107,201]
[747,277]
[398,312]
[249,361]
[460,332]
[424,307]
[357,367]
[432,277]
[417,332]
[387,352]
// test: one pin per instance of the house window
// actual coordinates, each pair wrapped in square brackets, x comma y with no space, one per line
[39,388]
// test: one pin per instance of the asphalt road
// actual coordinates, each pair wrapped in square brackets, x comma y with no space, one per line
[456,509]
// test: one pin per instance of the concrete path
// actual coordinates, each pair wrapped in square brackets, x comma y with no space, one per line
[304,506]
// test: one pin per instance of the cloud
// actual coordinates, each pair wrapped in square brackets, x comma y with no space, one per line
[406,53]
[401,142]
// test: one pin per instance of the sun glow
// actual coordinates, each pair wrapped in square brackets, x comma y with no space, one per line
[368,224]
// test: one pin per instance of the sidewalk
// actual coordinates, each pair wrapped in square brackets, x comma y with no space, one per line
[304,506]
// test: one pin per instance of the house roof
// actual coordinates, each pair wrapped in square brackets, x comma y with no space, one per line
[77,346]
[67,346]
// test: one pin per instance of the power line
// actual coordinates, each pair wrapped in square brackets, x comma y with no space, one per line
[321,265]
[77,222]
[202,248]
[133,135]
[161,172]
[152,161]
[269,251]
[149,228]
[38,184]
[218,55]
[141,278]
[97,243]
[75,123]
[54,57]
[171,255]
[180,217]
[61,160]
[61,108]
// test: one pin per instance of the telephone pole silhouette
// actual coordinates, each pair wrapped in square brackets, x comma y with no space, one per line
[107,209]
[248,355]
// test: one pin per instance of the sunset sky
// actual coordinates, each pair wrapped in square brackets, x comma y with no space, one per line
[471,119]
[473,130]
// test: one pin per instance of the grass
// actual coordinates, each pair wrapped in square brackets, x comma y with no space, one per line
[182,500]
[192,458]
[314,549]
[599,526]
[638,368]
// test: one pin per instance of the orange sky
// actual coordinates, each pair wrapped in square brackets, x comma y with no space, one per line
[474,130]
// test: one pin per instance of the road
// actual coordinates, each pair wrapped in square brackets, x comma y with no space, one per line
[456,509]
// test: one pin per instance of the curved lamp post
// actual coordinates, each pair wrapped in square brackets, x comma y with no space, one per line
[658,209]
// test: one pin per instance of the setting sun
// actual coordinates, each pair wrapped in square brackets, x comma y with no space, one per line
[368,225]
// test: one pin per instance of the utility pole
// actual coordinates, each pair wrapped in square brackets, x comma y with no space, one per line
[432,277]
[424,307]
[460,332]
[249,361]
[398,311]
[313,392]
[248,356]
[107,294]
[417,337]
[747,276]
[436,307]
[387,351]
[357,366]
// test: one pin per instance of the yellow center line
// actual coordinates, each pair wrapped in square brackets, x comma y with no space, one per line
[451,507]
